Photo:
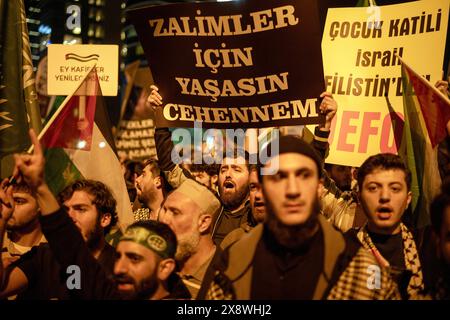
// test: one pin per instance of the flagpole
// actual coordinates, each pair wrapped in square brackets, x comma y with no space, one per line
[82,102]
[61,107]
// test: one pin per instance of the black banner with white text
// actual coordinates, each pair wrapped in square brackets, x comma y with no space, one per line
[234,64]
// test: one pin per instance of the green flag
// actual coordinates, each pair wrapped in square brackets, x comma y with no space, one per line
[18,98]
[420,156]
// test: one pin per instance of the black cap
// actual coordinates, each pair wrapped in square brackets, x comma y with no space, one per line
[293,144]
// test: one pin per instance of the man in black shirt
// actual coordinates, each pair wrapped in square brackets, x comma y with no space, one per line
[384,192]
[37,274]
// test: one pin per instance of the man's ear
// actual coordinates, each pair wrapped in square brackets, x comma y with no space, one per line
[158,182]
[165,268]
[204,223]
[408,200]
[320,189]
[105,220]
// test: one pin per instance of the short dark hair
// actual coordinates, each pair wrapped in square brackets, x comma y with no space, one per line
[133,167]
[157,172]
[22,187]
[154,166]
[103,198]
[438,207]
[385,161]
[161,229]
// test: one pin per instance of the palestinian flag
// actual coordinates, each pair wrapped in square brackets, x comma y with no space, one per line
[79,144]
[434,106]
[418,147]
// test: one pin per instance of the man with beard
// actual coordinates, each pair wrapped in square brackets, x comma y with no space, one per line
[151,190]
[257,206]
[145,264]
[384,191]
[190,210]
[342,175]
[23,228]
[37,274]
[296,253]
[234,192]
[232,181]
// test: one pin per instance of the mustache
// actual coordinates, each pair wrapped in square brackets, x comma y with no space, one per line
[123,278]
[229,180]
[289,203]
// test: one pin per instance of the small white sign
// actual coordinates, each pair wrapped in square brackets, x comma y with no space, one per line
[69,64]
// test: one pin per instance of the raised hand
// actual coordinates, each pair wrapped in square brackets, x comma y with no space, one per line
[30,167]
[6,202]
[442,86]
[154,100]
[329,108]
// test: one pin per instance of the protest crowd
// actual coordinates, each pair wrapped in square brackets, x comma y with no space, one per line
[228,231]
[281,224]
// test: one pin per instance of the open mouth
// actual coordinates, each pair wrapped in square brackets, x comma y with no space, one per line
[384,212]
[259,204]
[228,184]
